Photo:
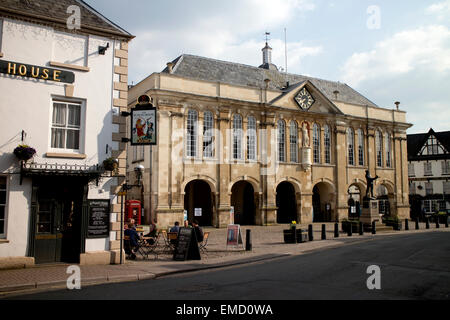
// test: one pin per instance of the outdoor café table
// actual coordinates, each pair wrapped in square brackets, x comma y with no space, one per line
[146,248]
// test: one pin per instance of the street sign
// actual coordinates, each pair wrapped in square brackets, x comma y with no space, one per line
[234,236]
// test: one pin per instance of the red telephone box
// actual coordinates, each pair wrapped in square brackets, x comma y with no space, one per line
[133,211]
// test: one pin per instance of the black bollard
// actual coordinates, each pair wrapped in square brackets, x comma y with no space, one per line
[350,229]
[361,228]
[427,223]
[374,228]
[336,230]
[406,224]
[324,232]
[437,222]
[248,240]
[417,223]
[310,233]
[446,221]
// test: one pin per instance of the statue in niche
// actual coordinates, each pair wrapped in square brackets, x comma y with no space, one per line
[369,181]
[305,135]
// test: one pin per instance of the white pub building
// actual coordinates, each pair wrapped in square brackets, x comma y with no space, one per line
[63,84]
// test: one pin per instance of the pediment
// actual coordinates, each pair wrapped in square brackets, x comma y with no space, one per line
[305,97]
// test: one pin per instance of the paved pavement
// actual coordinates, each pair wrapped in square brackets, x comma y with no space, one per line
[267,243]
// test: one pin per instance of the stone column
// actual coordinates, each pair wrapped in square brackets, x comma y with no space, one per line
[341,170]
[223,148]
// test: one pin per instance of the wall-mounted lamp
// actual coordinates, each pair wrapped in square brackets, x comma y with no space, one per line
[102,50]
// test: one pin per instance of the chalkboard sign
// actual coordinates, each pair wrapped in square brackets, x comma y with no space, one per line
[98,222]
[187,246]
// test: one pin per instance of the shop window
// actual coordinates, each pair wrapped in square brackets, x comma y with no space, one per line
[427,169]
[411,171]
[66,128]
[3,198]
[445,167]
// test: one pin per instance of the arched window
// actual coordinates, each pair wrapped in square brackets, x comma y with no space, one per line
[208,135]
[191,133]
[379,148]
[237,137]
[360,147]
[387,145]
[281,141]
[351,146]
[327,143]
[251,138]
[293,140]
[316,143]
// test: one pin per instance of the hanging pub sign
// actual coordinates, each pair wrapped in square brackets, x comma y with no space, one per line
[36,72]
[143,123]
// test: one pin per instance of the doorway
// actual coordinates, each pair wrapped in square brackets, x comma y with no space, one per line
[57,234]
[286,203]
[198,202]
[243,201]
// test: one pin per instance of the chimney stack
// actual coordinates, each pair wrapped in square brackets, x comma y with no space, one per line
[170,67]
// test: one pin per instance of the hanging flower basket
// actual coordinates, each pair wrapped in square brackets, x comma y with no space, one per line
[24,152]
[110,164]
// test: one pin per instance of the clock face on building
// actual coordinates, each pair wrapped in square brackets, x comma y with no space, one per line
[304,99]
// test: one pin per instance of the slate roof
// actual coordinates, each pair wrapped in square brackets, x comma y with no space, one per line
[416,141]
[55,12]
[239,74]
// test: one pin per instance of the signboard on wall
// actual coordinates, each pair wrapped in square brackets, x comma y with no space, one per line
[98,219]
[37,72]
[198,212]
[143,126]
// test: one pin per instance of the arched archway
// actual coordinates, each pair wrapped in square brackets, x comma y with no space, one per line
[382,193]
[198,202]
[323,198]
[354,201]
[243,201]
[286,203]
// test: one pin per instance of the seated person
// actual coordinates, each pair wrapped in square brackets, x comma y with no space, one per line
[134,240]
[198,231]
[176,227]
[153,233]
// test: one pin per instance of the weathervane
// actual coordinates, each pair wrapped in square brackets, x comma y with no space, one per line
[267,34]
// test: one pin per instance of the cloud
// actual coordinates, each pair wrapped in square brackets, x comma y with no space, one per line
[404,52]
[441,10]
[224,32]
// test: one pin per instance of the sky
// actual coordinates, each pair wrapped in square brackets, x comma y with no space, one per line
[387,50]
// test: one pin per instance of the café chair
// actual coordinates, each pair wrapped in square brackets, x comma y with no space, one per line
[202,245]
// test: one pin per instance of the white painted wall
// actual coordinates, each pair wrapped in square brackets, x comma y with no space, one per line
[26,104]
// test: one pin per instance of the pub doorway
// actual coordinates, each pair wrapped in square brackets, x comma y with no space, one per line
[198,202]
[243,201]
[286,203]
[57,210]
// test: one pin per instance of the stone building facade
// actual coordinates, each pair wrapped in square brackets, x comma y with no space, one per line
[257,146]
